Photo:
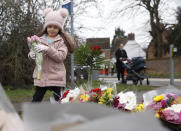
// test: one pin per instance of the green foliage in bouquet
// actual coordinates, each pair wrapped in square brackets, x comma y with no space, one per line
[32,42]
[89,56]
[107,97]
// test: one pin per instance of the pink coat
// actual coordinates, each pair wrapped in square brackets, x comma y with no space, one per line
[53,68]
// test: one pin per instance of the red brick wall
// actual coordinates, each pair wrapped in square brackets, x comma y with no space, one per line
[163,65]
[107,53]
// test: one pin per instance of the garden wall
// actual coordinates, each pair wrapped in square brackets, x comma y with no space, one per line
[162,66]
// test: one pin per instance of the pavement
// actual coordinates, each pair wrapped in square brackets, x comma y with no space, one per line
[153,81]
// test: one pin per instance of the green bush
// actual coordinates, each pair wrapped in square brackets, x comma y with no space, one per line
[89,56]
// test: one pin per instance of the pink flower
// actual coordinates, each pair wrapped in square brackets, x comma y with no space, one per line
[116,102]
[29,40]
[180,116]
[170,115]
[36,38]
[172,95]
[33,38]
[163,104]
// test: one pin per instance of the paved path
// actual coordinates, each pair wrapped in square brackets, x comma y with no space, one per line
[153,81]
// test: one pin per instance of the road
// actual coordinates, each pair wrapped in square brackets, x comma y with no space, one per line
[153,81]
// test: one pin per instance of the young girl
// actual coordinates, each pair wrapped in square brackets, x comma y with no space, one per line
[55,45]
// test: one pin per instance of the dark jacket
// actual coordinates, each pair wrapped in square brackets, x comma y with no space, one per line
[120,53]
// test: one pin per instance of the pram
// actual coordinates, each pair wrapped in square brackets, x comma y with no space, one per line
[136,70]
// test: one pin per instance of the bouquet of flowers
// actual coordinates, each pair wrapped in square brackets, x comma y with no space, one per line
[69,95]
[125,101]
[167,107]
[98,95]
[84,97]
[95,95]
[107,97]
[32,41]
[172,114]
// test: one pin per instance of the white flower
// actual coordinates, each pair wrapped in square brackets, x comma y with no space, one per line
[72,94]
[65,100]
[128,98]
[175,107]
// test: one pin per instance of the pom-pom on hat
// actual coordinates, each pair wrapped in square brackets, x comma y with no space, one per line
[57,18]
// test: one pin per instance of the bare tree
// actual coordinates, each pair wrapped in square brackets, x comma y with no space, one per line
[151,8]
[19,20]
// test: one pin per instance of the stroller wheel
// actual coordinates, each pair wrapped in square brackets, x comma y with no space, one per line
[135,82]
[125,81]
[148,82]
[140,82]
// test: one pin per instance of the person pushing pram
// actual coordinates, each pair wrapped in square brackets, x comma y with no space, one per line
[120,55]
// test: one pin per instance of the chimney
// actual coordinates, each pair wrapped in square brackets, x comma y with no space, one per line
[131,36]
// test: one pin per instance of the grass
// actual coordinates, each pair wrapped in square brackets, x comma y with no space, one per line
[162,75]
[120,87]
[23,95]
[139,88]
[20,95]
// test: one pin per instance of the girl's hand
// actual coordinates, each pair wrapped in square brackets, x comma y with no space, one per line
[31,55]
[40,47]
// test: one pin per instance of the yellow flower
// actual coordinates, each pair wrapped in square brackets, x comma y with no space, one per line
[100,103]
[104,93]
[158,98]
[140,107]
[102,100]
[157,115]
[109,90]
[110,96]
[84,97]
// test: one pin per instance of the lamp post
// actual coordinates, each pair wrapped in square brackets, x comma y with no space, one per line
[171,65]
[72,55]
[69,5]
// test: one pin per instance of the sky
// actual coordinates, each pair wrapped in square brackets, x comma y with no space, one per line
[98,22]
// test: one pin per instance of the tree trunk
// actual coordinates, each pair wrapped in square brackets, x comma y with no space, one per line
[156,27]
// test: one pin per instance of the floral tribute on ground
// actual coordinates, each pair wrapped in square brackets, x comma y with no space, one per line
[123,101]
[167,107]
